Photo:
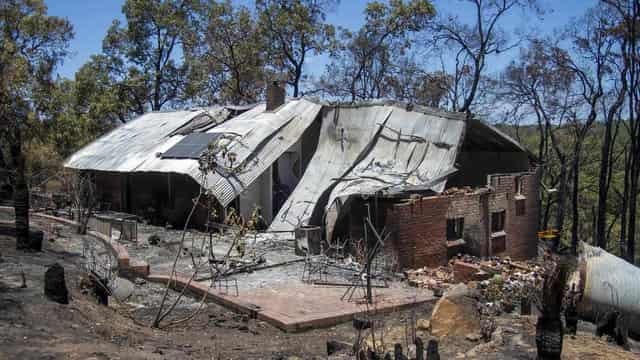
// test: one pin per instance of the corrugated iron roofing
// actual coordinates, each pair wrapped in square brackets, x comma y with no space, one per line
[365,149]
[264,137]
[251,136]
[127,147]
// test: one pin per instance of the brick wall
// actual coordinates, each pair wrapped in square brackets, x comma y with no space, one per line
[419,226]
[521,229]
[419,232]
[473,208]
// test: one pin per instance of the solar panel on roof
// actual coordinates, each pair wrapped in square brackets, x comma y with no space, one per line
[191,147]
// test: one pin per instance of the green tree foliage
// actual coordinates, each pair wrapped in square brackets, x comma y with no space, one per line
[411,83]
[143,54]
[102,96]
[227,55]
[295,29]
[31,44]
[63,128]
[362,66]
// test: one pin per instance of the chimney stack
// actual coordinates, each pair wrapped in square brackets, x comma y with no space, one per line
[275,95]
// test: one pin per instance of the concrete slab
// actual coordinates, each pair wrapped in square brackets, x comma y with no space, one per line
[275,295]
[300,306]
[303,307]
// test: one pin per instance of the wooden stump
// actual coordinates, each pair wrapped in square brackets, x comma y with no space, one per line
[525,306]
[419,349]
[55,287]
[432,350]
[100,289]
[549,338]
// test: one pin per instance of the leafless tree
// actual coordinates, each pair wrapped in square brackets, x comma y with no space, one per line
[628,13]
[81,189]
[534,84]
[593,50]
[612,106]
[472,44]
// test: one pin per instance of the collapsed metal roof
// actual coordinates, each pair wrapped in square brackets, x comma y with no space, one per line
[256,138]
[372,147]
[362,149]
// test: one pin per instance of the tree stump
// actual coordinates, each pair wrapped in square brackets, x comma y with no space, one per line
[525,306]
[100,289]
[33,243]
[419,349]
[613,325]
[549,338]
[571,319]
[397,352]
[432,350]
[55,287]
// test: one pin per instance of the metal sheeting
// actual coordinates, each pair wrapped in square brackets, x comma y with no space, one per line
[361,149]
[128,146]
[270,135]
[247,131]
[609,283]
[485,136]
[412,149]
[346,135]
[256,137]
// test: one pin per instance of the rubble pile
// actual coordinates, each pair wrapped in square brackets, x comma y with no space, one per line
[459,190]
[502,282]
[431,278]
[513,285]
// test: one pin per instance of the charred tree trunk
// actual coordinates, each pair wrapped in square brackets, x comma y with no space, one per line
[575,196]
[549,335]
[623,210]
[633,202]
[634,156]
[562,201]
[549,331]
[543,212]
[603,189]
[606,154]
[20,192]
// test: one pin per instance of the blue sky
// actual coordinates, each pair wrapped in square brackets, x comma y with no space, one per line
[92,18]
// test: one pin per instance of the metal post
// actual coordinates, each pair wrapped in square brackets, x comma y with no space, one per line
[368,257]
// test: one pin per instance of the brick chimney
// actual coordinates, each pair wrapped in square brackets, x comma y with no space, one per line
[275,95]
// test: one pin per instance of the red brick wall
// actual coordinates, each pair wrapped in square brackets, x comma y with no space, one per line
[419,232]
[419,227]
[473,208]
[521,230]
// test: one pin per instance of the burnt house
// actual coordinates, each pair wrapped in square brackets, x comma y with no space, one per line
[440,183]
